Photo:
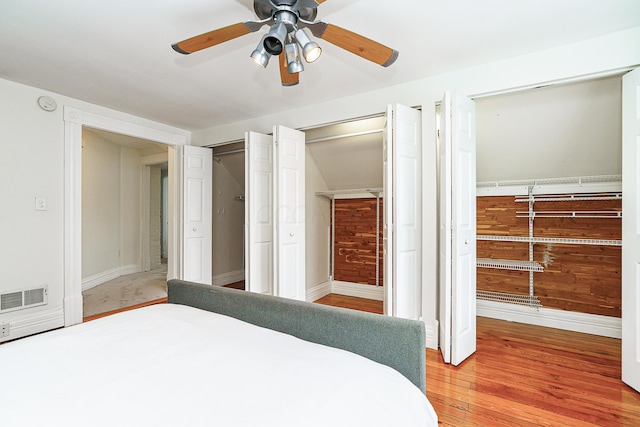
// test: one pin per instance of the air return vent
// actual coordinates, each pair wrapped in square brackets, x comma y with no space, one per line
[27,298]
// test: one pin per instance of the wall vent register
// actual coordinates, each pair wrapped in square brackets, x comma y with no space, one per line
[21,299]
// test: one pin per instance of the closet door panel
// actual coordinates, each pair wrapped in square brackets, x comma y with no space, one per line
[458,228]
[290,213]
[631,229]
[259,258]
[198,198]
[402,218]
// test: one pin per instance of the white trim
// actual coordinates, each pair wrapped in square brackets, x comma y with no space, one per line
[431,332]
[357,290]
[100,278]
[74,120]
[97,121]
[34,323]
[318,291]
[227,278]
[593,184]
[105,276]
[560,319]
[561,81]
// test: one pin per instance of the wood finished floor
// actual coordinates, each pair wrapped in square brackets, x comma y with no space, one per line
[523,375]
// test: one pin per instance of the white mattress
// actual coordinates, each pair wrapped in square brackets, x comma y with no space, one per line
[172,365]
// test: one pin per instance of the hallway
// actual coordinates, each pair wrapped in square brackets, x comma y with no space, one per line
[125,291]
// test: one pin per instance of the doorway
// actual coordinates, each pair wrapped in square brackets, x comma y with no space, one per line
[228,263]
[549,170]
[74,121]
[122,226]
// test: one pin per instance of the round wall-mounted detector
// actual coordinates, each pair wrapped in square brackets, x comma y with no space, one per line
[47,103]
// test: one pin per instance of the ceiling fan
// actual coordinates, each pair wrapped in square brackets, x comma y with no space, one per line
[286,20]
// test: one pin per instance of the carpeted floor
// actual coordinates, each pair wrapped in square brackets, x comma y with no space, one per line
[125,291]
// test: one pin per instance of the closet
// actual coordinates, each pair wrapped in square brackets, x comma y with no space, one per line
[228,215]
[549,204]
[344,168]
[348,157]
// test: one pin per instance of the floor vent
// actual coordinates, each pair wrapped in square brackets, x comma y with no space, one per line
[18,300]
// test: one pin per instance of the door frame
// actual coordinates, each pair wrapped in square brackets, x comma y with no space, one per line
[146,164]
[74,120]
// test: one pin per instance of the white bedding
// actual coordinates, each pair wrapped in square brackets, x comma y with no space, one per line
[172,365]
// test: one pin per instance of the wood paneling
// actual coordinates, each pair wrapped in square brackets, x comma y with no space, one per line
[581,278]
[355,247]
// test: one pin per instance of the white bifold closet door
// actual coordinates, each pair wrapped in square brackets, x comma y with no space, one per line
[402,219]
[258,215]
[631,229]
[275,213]
[457,246]
[197,180]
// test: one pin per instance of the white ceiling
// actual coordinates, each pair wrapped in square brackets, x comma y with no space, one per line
[118,53]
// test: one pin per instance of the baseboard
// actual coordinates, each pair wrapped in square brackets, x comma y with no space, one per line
[25,325]
[105,276]
[100,278]
[318,291]
[357,290]
[130,269]
[431,332]
[560,319]
[225,279]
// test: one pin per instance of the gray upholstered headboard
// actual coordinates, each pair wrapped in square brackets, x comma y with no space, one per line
[398,343]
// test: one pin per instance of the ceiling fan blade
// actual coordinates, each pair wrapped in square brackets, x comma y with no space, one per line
[354,43]
[218,36]
[287,78]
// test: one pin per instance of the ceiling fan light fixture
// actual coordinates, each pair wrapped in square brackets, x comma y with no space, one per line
[310,49]
[260,56]
[273,41]
[294,65]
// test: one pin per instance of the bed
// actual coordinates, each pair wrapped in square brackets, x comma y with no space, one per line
[220,357]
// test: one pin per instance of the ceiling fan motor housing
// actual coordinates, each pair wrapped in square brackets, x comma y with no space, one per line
[305,9]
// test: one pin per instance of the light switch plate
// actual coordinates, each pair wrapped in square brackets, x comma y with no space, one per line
[41,203]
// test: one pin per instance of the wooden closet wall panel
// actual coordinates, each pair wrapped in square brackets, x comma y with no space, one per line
[581,278]
[355,250]
[496,216]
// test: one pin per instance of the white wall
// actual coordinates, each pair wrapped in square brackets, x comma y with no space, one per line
[130,210]
[228,226]
[155,217]
[111,210]
[593,56]
[317,223]
[551,132]
[33,164]
[100,206]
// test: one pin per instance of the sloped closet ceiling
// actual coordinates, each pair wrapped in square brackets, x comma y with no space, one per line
[235,165]
[348,162]
[551,132]
[231,156]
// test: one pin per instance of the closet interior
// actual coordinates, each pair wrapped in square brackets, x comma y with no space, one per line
[344,209]
[349,158]
[549,201]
